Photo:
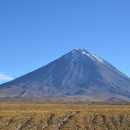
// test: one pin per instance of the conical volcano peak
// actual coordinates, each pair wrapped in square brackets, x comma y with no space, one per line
[76,76]
[84,55]
[81,51]
[77,54]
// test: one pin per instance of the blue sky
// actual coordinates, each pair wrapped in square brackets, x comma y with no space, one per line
[34,33]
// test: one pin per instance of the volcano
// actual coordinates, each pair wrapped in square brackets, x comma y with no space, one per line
[76,76]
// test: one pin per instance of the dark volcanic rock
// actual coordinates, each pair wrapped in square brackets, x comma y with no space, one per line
[77,75]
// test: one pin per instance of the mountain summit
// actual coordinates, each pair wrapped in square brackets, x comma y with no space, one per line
[76,76]
[81,54]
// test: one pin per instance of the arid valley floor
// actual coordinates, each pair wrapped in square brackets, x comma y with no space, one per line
[18,116]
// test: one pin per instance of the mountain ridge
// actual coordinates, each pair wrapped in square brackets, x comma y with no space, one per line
[74,75]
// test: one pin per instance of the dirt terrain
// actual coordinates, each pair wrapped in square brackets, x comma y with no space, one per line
[25,116]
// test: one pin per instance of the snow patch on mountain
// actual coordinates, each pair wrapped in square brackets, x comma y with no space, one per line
[78,54]
[87,54]
[98,58]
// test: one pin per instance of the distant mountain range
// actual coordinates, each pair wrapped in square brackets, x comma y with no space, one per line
[77,76]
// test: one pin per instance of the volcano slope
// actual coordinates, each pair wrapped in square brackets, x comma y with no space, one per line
[77,76]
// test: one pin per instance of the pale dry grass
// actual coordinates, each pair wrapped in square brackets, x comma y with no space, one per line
[64,117]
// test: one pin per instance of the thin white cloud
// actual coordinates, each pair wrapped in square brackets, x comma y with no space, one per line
[4,77]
